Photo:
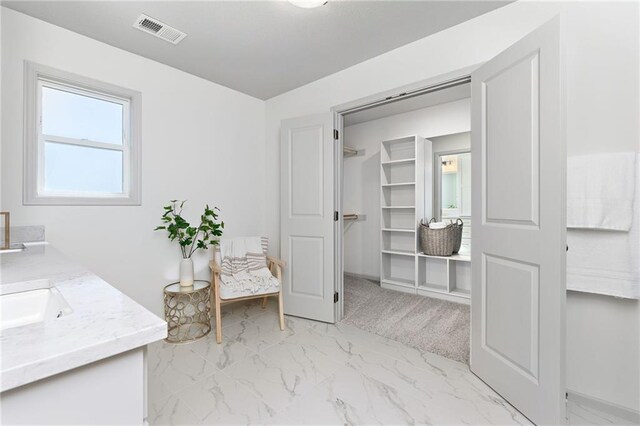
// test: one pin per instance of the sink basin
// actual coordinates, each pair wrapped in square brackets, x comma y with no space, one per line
[29,307]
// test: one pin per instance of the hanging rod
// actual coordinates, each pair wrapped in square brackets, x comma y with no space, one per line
[410,94]
[350,216]
[349,152]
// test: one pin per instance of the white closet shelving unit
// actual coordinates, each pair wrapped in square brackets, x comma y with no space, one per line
[405,199]
[402,205]
[444,277]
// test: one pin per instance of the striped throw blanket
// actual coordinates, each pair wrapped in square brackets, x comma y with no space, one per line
[243,268]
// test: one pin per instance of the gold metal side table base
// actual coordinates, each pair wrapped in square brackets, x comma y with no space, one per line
[187,311]
[187,333]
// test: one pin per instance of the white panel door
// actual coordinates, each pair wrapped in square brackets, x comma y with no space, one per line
[307,225]
[518,249]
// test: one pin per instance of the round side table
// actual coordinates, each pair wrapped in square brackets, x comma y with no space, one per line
[187,311]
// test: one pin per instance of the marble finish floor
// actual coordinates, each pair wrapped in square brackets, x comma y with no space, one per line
[313,373]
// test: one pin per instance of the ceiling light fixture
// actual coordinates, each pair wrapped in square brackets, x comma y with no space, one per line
[308,4]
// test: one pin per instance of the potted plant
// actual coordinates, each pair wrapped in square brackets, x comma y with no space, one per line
[190,238]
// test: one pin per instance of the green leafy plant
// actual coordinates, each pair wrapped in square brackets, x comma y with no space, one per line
[191,238]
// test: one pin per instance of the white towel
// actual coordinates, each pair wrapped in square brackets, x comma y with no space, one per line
[244,266]
[437,225]
[600,191]
[606,262]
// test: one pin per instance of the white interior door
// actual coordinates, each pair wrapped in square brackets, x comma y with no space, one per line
[518,250]
[307,206]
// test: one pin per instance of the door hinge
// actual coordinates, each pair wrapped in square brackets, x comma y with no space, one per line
[336,297]
[336,134]
[336,216]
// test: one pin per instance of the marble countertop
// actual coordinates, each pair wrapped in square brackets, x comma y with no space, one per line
[104,322]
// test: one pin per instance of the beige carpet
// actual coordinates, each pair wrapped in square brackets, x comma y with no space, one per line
[425,323]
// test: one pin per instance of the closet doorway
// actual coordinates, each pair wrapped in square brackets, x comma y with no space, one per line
[403,164]
[518,219]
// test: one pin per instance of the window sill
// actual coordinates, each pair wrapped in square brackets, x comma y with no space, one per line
[43,200]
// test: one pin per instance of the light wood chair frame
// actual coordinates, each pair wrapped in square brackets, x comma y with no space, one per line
[273,264]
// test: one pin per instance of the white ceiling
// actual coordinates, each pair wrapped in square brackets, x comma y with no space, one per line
[262,48]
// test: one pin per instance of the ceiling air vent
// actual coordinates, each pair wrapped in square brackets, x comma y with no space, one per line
[154,27]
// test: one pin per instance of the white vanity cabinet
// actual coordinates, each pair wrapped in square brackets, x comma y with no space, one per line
[110,391]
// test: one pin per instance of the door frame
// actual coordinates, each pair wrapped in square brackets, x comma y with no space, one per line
[397,94]
[338,229]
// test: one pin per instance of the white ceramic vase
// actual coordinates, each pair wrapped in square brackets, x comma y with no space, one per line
[186,273]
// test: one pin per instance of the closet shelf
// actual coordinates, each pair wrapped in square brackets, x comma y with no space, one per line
[412,231]
[403,161]
[433,287]
[388,185]
[398,207]
[462,292]
[399,252]
[457,257]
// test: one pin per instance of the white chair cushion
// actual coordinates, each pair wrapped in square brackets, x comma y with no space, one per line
[228,293]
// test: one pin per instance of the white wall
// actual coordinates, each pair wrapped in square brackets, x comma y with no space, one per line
[362,174]
[602,54]
[200,141]
[601,42]
[603,348]
[1,205]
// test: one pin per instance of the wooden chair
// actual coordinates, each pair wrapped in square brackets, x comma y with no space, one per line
[274,265]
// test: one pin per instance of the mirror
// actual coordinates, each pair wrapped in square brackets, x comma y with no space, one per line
[455,185]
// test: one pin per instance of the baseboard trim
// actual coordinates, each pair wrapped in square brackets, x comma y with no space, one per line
[366,277]
[604,406]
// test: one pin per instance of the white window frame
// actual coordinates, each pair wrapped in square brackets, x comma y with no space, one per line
[38,76]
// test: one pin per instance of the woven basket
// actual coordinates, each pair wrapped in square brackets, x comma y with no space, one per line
[458,235]
[438,242]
